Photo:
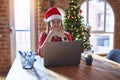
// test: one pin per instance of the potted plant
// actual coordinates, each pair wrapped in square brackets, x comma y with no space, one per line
[88,60]
[88,56]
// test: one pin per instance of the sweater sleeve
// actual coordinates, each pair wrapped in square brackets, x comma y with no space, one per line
[42,38]
[69,36]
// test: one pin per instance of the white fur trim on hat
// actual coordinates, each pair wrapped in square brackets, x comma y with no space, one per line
[53,17]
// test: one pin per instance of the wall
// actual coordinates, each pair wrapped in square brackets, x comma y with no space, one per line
[5,38]
[116,7]
[5,53]
[40,26]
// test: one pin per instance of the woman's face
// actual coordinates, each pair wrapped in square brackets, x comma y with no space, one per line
[55,23]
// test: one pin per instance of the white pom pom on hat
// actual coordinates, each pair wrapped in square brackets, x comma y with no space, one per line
[51,14]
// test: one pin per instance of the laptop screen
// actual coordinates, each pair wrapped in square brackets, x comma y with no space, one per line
[62,53]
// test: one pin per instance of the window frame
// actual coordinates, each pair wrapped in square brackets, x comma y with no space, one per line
[104,26]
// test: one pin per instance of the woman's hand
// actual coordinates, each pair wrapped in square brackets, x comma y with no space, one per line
[59,31]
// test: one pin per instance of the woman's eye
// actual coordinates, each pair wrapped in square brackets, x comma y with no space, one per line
[58,22]
[53,22]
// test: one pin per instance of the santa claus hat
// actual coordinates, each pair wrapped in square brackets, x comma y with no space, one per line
[52,13]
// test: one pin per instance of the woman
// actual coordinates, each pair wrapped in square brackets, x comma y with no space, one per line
[55,31]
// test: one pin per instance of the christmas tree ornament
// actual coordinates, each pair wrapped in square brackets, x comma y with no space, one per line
[70,17]
[81,11]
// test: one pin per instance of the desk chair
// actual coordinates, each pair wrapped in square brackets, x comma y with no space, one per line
[114,55]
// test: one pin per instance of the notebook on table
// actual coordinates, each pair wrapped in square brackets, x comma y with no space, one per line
[62,53]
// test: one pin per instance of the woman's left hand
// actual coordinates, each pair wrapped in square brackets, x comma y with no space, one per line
[60,32]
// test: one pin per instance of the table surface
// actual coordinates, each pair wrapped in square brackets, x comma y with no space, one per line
[101,69]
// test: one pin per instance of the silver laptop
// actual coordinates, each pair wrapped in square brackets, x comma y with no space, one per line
[62,53]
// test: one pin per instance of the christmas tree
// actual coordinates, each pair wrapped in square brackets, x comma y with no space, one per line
[74,24]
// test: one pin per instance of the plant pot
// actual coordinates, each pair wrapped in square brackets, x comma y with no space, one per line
[88,61]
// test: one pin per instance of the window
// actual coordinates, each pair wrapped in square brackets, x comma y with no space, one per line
[22,17]
[99,15]
[22,24]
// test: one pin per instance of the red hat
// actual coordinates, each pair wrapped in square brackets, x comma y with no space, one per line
[52,13]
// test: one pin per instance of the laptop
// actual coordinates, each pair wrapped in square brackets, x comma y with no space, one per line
[62,53]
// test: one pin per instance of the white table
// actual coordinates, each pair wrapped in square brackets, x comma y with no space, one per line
[39,72]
